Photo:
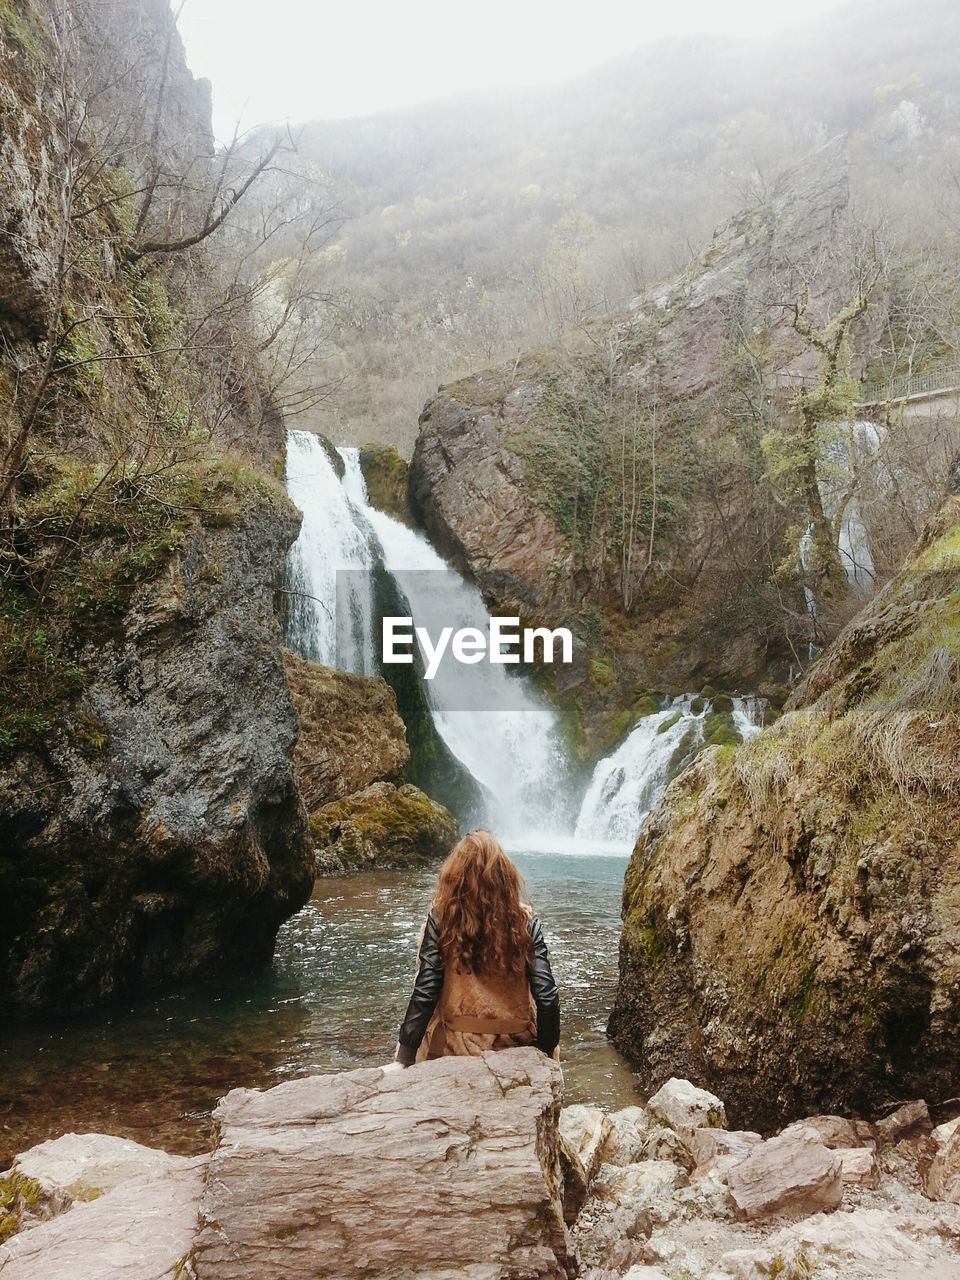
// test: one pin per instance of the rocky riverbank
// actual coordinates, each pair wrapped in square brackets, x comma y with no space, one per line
[471,1168]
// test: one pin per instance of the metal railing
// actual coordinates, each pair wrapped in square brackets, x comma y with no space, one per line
[903,386]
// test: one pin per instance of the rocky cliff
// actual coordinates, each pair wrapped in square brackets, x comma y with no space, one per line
[622,486]
[792,908]
[150,823]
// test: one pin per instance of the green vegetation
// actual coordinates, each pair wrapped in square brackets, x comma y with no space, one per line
[88,535]
[18,1194]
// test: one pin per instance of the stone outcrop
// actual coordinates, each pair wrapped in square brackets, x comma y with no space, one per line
[495,468]
[150,824]
[790,910]
[143,1229]
[52,1176]
[161,834]
[350,732]
[450,1168]
[387,477]
[384,826]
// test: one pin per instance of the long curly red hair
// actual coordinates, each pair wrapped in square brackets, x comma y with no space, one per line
[478,906]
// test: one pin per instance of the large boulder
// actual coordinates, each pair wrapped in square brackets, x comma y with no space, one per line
[350,732]
[159,833]
[791,907]
[384,826]
[449,1168]
[793,1175]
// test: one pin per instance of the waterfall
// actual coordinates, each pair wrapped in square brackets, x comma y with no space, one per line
[489,720]
[332,539]
[627,784]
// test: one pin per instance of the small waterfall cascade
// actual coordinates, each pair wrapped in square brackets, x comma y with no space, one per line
[489,720]
[332,539]
[627,784]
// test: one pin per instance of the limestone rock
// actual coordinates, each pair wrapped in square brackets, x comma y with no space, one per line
[160,834]
[799,917]
[910,1119]
[629,1129]
[874,1244]
[575,1184]
[350,732]
[623,1206]
[858,1166]
[382,825]
[713,1151]
[141,1230]
[448,1168]
[836,1131]
[943,1177]
[682,1105]
[793,1174]
[586,1129]
[47,1179]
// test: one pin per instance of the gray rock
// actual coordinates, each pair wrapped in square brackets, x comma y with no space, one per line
[172,839]
[448,1168]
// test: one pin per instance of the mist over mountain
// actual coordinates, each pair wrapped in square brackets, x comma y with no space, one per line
[482,226]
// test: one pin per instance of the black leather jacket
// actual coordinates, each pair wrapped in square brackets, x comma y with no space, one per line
[429,984]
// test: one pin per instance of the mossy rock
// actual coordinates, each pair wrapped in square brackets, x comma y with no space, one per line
[383,826]
[718,730]
[20,1198]
[330,450]
[387,477]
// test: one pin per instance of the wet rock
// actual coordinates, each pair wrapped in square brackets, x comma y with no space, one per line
[350,733]
[424,1172]
[384,826]
[682,1105]
[791,1175]
[141,1230]
[47,1179]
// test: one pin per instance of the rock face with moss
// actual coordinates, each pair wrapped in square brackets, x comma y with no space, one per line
[387,477]
[792,908]
[616,487]
[382,825]
[159,832]
[150,824]
[350,732]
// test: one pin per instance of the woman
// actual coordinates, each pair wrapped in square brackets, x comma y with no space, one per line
[484,980]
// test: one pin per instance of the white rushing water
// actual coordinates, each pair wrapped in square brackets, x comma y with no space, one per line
[627,784]
[331,539]
[490,721]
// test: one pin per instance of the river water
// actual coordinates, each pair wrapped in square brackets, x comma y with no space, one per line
[331,1000]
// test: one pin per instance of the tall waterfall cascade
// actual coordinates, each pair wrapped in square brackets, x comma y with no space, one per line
[507,739]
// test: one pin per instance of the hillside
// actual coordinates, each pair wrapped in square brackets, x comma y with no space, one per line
[481,227]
